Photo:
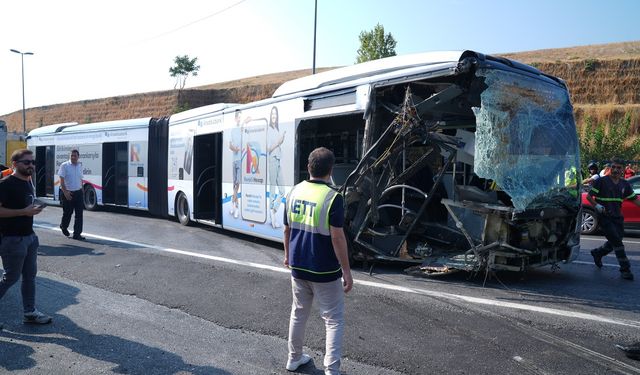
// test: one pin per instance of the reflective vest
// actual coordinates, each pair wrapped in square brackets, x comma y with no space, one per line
[311,252]
[571,181]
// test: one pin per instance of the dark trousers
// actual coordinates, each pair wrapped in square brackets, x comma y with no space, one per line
[19,254]
[68,207]
[613,228]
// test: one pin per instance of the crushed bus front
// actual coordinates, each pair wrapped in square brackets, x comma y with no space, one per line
[467,169]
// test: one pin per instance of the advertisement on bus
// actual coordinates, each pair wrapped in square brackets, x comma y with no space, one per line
[257,174]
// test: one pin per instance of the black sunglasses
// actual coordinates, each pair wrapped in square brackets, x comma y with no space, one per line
[26,162]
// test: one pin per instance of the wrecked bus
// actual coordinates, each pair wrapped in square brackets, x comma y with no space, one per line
[466,165]
[449,160]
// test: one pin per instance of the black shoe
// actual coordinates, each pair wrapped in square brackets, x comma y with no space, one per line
[632,351]
[79,237]
[36,317]
[597,259]
[64,231]
[627,275]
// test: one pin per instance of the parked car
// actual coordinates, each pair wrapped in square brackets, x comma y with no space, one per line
[630,211]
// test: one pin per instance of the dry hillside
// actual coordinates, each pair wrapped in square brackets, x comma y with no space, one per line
[604,81]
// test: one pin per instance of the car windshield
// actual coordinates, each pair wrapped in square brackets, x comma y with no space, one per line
[526,139]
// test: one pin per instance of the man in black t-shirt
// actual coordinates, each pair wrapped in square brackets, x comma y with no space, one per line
[606,195]
[19,244]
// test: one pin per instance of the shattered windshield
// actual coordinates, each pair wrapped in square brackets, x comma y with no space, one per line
[526,139]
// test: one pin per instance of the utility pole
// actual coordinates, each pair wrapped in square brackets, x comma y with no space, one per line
[24,116]
[315,22]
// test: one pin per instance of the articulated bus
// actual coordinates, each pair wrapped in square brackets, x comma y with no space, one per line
[122,161]
[455,160]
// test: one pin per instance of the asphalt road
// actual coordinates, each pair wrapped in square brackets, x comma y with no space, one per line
[146,296]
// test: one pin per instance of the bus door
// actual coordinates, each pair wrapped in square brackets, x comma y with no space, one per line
[45,170]
[207,181]
[115,173]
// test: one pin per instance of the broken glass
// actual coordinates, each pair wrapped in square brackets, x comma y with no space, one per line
[526,140]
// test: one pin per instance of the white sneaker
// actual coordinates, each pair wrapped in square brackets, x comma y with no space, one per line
[293,365]
[236,212]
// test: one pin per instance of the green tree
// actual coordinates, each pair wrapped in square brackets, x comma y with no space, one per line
[375,45]
[601,143]
[184,66]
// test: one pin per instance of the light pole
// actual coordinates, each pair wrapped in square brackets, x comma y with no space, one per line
[24,117]
[315,21]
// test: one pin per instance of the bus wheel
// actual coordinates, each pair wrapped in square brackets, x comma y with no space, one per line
[182,210]
[90,198]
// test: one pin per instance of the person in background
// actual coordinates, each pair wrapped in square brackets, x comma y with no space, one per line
[593,174]
[606,196]
[606,170]
[315,249]
[5,171]
[19,245]
[629,172]
[72,197]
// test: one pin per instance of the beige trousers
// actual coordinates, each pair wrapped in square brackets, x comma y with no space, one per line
[329,298]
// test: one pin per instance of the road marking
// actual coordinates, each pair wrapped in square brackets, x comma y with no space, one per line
[398,288]
[591,263]
[582,238]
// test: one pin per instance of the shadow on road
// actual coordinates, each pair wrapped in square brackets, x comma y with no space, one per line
[69,250]
[17,341]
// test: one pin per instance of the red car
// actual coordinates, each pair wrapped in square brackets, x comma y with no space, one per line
[630,211]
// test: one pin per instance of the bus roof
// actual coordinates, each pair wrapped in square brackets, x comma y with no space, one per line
[106,125]
[200,111]
[50,129]
[369,69]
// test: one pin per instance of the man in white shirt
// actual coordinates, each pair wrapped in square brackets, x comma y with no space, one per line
[71,195]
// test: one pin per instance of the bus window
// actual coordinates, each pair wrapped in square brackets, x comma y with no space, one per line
[343,134]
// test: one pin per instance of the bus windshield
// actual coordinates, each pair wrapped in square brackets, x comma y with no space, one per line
[526,139]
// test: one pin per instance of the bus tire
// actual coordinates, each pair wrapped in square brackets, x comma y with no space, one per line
[182,210]
[90,198]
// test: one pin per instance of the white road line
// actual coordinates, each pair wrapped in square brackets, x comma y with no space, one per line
[591,263]
[582,238]
[442,295]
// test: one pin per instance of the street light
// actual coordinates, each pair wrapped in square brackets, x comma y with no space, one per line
[24,117]
[315,22]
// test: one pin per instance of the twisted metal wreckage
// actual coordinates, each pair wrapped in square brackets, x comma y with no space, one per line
[480,175]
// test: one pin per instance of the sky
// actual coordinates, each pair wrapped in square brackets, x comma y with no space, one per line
[94,49]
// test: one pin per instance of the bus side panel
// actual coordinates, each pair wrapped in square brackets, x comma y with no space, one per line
[180,158]
[138,172]
[266,138]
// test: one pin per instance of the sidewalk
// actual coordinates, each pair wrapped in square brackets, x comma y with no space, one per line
[99,332]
